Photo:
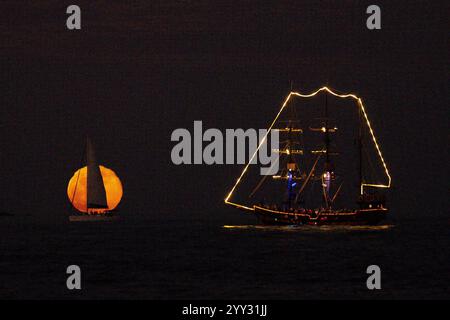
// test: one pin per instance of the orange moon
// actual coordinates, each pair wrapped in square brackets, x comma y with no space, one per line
[111,181]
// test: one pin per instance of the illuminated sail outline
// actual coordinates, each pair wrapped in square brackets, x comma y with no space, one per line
[292,93]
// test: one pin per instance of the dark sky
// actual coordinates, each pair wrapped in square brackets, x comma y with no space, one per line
[140,69]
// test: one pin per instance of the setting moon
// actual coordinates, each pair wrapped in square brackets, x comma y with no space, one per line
[111,181]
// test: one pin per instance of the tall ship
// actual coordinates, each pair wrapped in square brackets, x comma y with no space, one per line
[330,166]
[94,191]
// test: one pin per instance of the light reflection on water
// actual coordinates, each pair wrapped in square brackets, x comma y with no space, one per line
[307,228]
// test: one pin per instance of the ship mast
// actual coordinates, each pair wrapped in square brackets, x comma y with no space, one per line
[95,193]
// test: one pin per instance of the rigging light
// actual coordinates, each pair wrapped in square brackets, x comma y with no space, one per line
[343,96]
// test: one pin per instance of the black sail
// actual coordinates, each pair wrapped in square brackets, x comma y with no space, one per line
[96,194]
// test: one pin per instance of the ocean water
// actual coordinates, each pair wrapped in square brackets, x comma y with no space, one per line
[189,259]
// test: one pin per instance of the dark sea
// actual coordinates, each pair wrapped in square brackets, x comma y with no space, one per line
[188,259]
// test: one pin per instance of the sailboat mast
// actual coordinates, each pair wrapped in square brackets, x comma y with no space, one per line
[96,193]
[326,177]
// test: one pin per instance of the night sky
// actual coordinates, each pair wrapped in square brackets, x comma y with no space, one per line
[137,70]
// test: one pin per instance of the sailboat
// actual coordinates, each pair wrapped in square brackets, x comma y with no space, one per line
[96,206]
[6,214]
[309,188]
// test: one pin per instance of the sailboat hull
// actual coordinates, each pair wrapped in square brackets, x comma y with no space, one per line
[352,217]
[93,217]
